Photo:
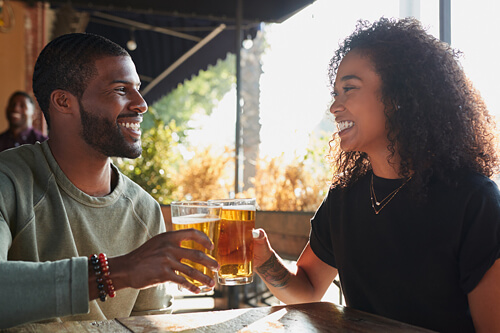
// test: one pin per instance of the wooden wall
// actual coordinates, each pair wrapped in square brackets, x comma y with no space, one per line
[19,48]
[288,232]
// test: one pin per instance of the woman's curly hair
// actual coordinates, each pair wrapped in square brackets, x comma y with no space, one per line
[437,122]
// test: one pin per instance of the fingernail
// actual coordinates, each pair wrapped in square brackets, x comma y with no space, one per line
[255,233]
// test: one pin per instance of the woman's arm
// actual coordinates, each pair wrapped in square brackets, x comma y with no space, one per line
[307,283]
[484,301]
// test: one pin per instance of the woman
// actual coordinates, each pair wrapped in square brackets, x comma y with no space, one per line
[412,221]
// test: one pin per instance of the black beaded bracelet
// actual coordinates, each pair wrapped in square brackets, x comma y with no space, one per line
[101,269]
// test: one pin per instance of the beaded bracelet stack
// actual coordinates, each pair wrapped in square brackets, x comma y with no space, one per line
[103,277]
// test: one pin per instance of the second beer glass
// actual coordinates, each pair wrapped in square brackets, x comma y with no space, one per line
[234,243]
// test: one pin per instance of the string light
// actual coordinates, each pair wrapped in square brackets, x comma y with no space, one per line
[247,43]
[132,44]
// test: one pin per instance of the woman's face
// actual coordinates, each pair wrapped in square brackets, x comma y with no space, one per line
[358,107]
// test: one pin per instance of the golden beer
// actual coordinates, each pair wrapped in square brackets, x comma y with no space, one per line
[235,244]
[208,223]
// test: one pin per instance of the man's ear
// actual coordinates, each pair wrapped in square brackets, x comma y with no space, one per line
[63,101]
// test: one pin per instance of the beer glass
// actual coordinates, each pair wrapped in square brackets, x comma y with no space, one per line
[235,242]
[202,216]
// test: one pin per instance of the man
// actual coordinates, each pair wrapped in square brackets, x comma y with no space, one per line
[63,200]
[19,113]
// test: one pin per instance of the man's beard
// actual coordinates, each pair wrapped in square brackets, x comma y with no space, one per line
[106,137]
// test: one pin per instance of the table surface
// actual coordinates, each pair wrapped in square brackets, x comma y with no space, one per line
[307,317]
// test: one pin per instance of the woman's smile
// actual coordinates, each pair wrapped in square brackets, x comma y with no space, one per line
[344,125]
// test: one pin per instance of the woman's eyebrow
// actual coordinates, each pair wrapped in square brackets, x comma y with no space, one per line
[349,77]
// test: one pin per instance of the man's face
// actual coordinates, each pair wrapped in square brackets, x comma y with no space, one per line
[20,112]
[111,109]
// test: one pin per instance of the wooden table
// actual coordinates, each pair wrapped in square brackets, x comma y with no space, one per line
[300,318]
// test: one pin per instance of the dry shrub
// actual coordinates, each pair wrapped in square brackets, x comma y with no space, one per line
[206,176]
[278,186]
[287,187]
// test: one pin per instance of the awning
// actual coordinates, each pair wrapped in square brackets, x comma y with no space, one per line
[175,38]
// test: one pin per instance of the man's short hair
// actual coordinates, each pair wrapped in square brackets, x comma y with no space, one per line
[21,93]
[68,63]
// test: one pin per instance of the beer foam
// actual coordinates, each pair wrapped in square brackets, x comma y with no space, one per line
[240,207]
[194,218]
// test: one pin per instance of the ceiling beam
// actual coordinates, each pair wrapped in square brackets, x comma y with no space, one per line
[183,58]
[146,26]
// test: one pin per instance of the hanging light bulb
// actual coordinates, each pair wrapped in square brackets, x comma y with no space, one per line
[131,44]
[248,43]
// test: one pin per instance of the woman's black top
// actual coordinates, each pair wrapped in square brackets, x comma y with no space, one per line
[413,262]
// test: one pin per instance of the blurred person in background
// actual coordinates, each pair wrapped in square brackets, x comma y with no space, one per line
[20,111]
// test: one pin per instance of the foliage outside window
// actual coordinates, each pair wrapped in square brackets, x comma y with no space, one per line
[156,169]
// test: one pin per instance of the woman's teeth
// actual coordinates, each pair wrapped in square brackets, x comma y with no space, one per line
[343,125]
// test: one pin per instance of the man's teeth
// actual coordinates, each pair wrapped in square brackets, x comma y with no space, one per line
[344,125]
[133,126]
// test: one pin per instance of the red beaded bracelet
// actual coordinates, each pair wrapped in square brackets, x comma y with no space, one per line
[101,270]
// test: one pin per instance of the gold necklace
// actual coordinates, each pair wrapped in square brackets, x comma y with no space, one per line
[379,205]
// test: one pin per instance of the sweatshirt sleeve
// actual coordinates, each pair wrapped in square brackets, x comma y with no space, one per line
[32,291]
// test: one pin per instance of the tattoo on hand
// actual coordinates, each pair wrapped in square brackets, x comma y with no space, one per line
[273,272]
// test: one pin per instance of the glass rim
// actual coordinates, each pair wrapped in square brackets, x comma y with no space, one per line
[195,204]
[231,200]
